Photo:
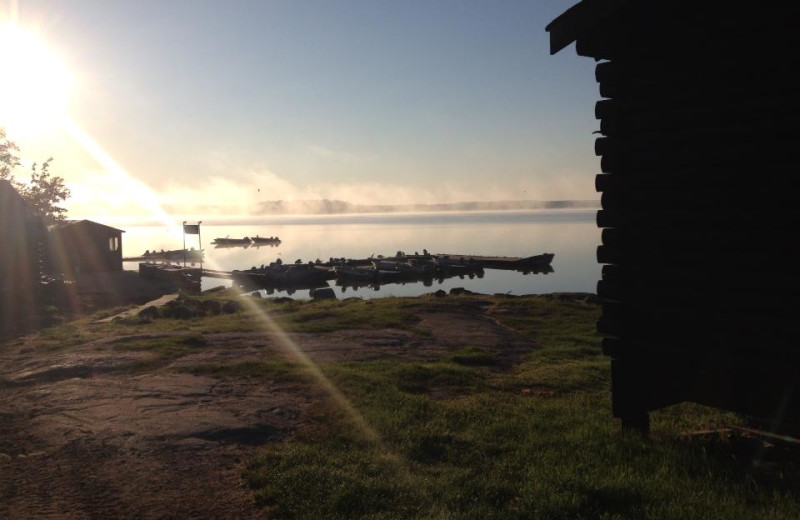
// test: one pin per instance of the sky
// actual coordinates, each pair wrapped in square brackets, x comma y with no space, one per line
[191,102]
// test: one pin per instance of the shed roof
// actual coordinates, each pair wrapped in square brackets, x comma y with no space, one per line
[574,21]
[80,223]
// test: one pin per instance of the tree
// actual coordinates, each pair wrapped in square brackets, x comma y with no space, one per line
[8,161]
[43,193]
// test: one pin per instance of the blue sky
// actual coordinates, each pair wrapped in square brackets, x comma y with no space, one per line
[364,100]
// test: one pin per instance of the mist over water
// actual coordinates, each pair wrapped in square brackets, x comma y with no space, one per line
[571,234]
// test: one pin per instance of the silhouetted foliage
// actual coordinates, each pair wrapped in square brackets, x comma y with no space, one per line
[8,159]
[43,193]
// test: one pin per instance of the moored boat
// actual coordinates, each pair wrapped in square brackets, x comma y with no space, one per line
[265,240]
[174,255]
[282,275]
[232,242]
[349,273]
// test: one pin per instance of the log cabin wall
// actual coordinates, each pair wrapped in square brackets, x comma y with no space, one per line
[700,123]
[21,258]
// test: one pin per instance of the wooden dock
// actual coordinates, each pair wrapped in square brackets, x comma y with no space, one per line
[509,263]
[379,270]
[181,277]
[177,255]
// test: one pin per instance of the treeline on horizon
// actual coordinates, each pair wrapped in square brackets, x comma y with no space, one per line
[327,207]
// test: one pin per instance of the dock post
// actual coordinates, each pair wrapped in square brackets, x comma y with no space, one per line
[200,246]
[184,243]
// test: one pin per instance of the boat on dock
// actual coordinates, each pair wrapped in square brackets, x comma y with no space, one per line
[348,273]
[379,270]
[508,263]
[282,275]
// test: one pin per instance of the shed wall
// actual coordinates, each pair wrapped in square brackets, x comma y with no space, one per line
[700,124]
[84,248]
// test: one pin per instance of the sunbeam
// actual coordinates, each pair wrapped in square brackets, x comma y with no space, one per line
[150,201]
[295,351]
[135,189]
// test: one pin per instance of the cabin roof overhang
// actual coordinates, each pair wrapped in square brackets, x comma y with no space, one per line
[577,19]
[83,223]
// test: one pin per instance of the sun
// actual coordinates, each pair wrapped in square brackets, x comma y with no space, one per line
[35,85]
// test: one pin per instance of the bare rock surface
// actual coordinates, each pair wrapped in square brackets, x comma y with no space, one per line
[82,435]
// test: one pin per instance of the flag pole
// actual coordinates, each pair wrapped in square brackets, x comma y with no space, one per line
[200,245]
[184,243]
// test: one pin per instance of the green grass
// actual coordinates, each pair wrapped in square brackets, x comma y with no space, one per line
[61,336]
[474,356]
[468,436]
[329,316]
[458,439]
[295,316]
[275,370]
[165,347]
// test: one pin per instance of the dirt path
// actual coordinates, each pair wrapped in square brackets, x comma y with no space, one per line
[84,436]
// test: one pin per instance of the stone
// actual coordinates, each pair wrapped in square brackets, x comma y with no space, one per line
[323,294]
[231,307]
[178,310]
[148,313]
[210,307]
[461,290]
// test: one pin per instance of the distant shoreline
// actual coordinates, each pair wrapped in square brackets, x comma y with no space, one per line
[337,207]
[216,219]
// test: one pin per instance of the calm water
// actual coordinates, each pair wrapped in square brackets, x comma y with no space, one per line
[572,235]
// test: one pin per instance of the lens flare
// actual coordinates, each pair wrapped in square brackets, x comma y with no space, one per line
[150,200]
[33,98]
[36,83]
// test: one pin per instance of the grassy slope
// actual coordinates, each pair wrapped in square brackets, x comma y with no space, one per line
[460,438]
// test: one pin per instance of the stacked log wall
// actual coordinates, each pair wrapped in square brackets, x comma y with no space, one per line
[700,127]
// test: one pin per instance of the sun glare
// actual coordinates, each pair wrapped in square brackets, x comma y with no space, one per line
[36,83]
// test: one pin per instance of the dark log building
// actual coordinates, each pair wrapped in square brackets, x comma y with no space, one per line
[700,123]
[84,247]
[22,240]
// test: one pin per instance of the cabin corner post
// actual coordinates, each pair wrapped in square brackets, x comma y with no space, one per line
[627,402]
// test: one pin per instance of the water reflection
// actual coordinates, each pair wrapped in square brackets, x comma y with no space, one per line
[574,236]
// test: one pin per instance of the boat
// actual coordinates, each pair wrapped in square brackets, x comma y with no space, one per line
[265,240]
[539,261]
[496,262]
[232,242]
[283,275]
[355,274]
[175,255]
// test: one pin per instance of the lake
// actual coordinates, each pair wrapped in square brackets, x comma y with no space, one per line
[571,235]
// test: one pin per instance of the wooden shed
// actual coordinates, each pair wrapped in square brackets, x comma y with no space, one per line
[700,123]
[84,247]
[21,246]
